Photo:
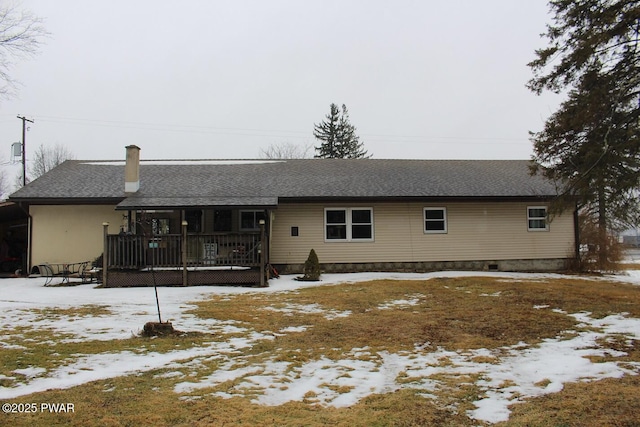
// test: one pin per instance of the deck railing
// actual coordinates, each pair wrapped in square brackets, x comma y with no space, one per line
[137,252]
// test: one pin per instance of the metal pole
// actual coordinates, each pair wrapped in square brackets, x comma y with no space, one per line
[157,303]
[24,159]
[153,276]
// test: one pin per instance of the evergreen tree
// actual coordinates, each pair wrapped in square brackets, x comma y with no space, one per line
[338,136]
[591,145]
[312,267]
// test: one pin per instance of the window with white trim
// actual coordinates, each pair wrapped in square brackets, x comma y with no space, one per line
[348,224]
[435,220]
[250,220]
[537,218]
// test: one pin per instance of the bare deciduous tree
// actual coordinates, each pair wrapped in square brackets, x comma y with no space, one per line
[286,150]
[4,184]
[21,34]
[17,181]
[47,158]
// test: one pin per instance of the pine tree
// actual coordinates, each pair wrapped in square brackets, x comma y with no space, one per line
[338,136]
[591,145]
[312,267]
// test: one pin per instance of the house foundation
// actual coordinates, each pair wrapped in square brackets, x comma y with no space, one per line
[523,265]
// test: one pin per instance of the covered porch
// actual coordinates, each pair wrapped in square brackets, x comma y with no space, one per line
[185,247]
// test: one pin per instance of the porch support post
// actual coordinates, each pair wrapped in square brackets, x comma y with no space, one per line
[262,252]
[184,253]
[105,252]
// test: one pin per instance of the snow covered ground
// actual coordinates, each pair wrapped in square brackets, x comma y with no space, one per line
[520,372]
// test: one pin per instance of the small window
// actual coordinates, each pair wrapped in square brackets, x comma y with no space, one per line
[435,220]
[537,218]
[349,224]
[250,220]
[336,224]
[361,224]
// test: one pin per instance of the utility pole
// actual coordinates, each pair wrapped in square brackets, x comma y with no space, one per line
[24,159]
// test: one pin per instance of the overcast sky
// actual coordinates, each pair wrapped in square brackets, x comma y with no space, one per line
[224,79]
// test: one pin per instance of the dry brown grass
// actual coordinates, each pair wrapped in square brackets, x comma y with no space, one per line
[462,313]
[609,402]
[455,314]
[628,266]
[133,403]
[80,311]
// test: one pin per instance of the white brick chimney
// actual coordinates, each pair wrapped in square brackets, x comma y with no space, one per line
[132,169]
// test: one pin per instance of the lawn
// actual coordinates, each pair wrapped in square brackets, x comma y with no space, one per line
[432,349]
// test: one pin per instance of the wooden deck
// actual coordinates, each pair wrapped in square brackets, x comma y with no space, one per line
[197,277]
[184,260]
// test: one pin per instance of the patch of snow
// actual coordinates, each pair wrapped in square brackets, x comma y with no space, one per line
[414,300]
[294,329]
[495,294]
[30,372]
[183,162]
[291,309]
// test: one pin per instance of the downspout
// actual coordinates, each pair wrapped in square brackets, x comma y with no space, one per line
[263,250]
[105,253]
[272,218]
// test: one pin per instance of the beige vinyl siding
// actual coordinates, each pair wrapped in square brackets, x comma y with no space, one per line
[67,234]
[475,231]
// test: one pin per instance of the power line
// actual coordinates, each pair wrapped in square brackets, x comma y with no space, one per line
[278,133]
[161,126]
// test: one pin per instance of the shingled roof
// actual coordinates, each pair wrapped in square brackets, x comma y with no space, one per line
[185,183]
